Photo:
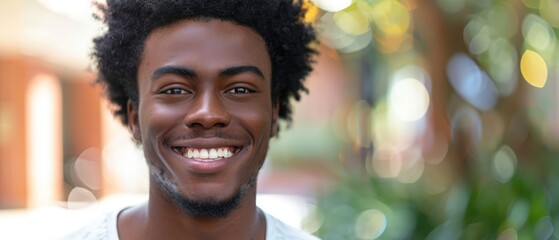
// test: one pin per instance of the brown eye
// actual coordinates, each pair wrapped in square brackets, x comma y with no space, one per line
[240,90]
[174,91]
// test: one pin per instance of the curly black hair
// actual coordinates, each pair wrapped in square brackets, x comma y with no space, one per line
[117,52]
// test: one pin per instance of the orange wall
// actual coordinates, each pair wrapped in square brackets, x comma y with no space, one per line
[13,178]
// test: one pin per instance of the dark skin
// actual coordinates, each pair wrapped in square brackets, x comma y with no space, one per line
[203,84]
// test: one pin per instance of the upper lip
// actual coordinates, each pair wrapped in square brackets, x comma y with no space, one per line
[206,143]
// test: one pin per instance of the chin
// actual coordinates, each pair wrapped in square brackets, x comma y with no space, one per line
[201,206]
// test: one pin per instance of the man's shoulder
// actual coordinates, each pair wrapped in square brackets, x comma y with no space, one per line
[104,228]
[278,230]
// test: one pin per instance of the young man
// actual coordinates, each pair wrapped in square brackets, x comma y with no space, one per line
[201,85]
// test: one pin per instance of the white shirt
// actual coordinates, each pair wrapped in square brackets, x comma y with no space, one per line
[106,229]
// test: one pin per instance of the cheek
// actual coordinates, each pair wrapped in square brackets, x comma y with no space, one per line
[260,128]
[155,122]
[258,123]
[158,117]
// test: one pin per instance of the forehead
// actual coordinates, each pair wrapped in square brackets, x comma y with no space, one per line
[205,45]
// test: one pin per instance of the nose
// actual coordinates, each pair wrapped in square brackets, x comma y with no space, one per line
[207,111]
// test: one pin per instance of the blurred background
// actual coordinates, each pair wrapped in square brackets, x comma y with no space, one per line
[434,119]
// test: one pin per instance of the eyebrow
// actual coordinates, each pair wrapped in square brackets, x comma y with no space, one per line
[187,72]
[182,71]
[241,69]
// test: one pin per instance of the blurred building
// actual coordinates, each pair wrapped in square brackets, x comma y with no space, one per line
[49,112]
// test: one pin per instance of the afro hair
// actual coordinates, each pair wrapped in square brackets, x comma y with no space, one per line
[117,52]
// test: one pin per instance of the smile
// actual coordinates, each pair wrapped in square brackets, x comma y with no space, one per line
[206,154]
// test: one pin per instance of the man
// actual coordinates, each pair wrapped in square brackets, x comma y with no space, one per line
[201,85]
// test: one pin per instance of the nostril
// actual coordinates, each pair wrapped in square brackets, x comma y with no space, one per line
[205,125]
[207,119]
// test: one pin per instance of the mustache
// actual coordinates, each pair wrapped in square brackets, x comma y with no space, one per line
[204,134]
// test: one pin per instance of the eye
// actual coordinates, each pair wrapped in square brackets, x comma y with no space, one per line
[174,91]
[240,90]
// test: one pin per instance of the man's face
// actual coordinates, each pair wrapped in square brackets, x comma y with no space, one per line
[205,112]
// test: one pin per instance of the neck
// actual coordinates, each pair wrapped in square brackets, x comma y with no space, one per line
[162,218]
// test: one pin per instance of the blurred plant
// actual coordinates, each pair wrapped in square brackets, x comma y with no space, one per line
[481,206]
[455,134]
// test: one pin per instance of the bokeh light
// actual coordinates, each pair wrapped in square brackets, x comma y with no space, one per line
[471,82]
[392,21]
[503,59]
[537,33]
[339,39]
[370,224]
[392,18]
[332,6]
[476,35]
[504,164]
[87,168]
[519,213]
[544,228]
[408,99]
[80,197]
[352,22]
[533,68]
[312,222]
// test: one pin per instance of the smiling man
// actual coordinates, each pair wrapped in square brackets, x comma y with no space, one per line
[201,85]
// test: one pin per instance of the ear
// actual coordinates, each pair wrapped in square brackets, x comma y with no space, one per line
[133,121]
[275,114]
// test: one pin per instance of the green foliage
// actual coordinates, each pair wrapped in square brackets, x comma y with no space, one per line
[475,207]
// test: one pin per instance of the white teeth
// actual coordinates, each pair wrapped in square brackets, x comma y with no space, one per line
[204,153]
[211,153]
